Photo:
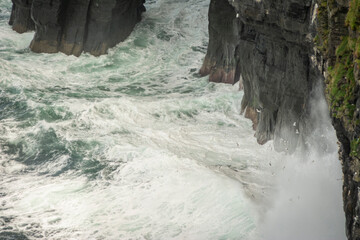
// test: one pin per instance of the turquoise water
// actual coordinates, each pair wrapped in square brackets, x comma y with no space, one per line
[134,144]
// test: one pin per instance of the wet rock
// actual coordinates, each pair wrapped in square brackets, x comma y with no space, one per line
[340,52]
[20,18]
[281,50]
[268,44]
[75,26]
[220,62]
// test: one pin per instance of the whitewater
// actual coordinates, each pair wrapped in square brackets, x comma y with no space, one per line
[136,145]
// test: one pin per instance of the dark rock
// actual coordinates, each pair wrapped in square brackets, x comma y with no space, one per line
[111,22]
[74,26]
[269,44]
[20,18]
[220,62]
[47,17]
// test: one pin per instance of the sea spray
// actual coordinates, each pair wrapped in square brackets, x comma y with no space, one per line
[132,144]
[308,202]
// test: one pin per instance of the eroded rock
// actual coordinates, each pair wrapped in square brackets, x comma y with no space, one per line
[268,43]
[21,16]
[74,26]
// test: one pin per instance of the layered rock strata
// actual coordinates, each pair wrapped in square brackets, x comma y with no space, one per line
[75,26]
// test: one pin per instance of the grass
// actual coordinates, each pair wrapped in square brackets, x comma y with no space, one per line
[341,82]
[353,16]
[355,148]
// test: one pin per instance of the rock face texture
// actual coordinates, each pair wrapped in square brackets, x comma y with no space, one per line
[220,62]
[268,43]
[339,40]
[21,16]
[74,26]
[281,50]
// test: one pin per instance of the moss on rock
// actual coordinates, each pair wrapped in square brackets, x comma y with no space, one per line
[342,82]
[338,39]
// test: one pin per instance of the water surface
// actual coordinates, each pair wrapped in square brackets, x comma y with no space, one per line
[133,144]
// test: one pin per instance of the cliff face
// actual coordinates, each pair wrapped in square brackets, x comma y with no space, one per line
[220,60]
[339,40]
[269,44]
[281,49]
[75,26]
[21,16]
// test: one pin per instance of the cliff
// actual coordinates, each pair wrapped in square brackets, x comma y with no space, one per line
[75,26]
[339,40]
[281,50]
[268,44]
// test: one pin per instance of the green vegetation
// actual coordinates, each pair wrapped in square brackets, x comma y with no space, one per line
[342,79]
[355,148]
[341,82]
[353,16]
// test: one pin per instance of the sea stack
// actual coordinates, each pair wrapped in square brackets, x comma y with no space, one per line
[76,26]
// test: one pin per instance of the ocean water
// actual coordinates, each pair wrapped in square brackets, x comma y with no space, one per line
[135,145]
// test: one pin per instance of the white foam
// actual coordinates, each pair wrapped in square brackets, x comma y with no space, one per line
[179,160]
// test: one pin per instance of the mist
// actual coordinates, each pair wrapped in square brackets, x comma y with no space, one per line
[307,203]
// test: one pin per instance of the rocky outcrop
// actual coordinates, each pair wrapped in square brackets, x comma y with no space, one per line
[21,16]
[269,44]
[281,50]
[75,26]
[220,62]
